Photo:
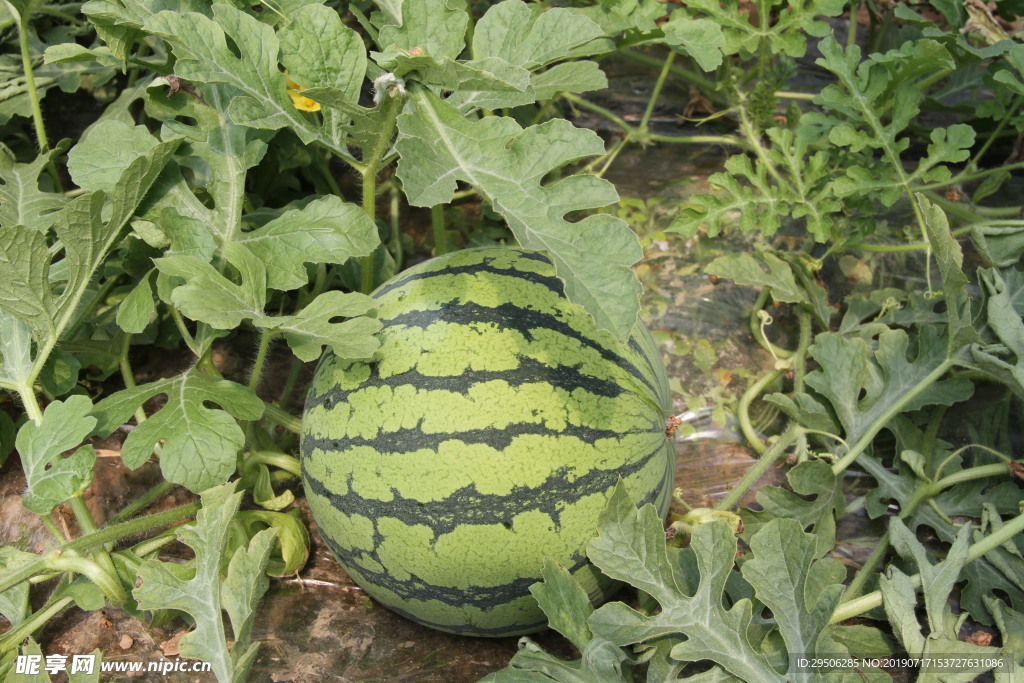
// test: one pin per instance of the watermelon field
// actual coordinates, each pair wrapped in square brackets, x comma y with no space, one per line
[561,340]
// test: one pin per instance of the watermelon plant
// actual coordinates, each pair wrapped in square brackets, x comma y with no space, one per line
[223,184]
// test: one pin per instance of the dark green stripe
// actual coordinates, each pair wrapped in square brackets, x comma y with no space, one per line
[509,316]
[653,365]
[406,441]
[468,505]
[550,282]
[530,371]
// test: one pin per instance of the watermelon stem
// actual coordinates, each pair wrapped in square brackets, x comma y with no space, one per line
[437,223]
[774,452]
[261,357]
[391,99]
[282,417]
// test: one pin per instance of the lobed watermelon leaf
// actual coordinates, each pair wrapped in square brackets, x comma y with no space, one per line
[631,548]
[816,502]
[206,593]
[22,202]
[200,444]
[209,296]
[51,478]
[858,384]
[698,617]
[15,352]
[507,165]
[937,581]
[326,230]
[749,269]
[201,45]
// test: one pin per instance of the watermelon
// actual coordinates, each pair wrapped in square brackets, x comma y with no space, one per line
[484,435]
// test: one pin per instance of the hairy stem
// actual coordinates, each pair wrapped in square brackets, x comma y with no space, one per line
[261,359]
[109,534]
[767,459]
[13,638]
[33,98]
[866,603]
[389,106]
[437,224]
[143,501]
[283,418]
[656,92]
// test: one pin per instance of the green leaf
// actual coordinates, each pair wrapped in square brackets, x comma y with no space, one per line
[1001,246]
[200,443]
[244,585]
[21,200]
[88,238]
[787,32]
[15,352]
[529,36]
[137,308]
[312,328]
[436,27]
[73,52]
[86,594]
[936,580]
[204,595]
[212,298]
[600,661]
[1004,359]
[1011,626]
[31,648]
[816,501]
[60,373]
[327,230]
[96,164]
[291,549]
[201,46]
[631,548]
[618,16]
[318,50]
[565,604]
[950,258]
[757,206]
[900,602]
[24,286]
[220,151]
[574,77]
[801,590]
[52,479]
[478,83]
[7,436]
[750,269]
[263,492]
[507,165]
[754,196]
[948,146]
[700,38]
[85,677]
[14,604]
[860,384]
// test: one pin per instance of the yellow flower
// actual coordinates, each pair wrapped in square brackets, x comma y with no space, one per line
[301,103]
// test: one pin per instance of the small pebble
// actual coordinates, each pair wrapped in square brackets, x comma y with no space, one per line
[126,642]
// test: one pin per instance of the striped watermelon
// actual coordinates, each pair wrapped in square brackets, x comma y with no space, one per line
[484,435]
